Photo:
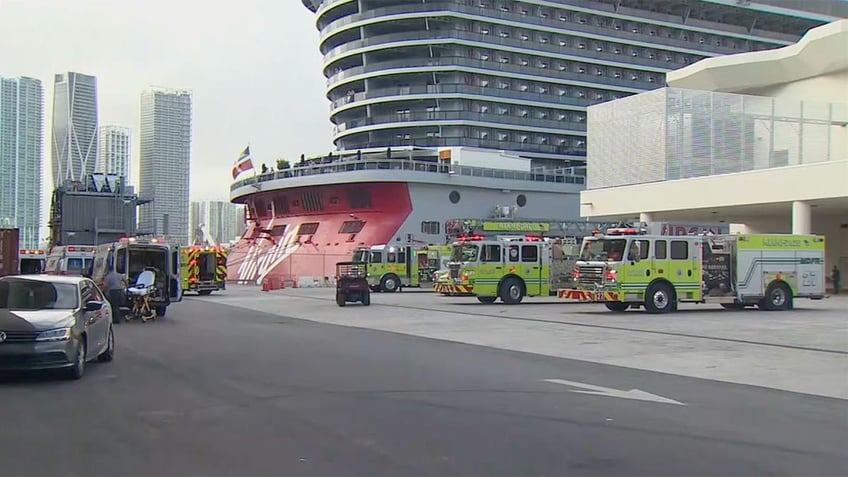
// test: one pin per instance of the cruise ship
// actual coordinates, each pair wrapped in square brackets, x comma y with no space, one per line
[474,108]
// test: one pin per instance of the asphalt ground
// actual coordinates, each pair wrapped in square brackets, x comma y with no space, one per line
[217,389]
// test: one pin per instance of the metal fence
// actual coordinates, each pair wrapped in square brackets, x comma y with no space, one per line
[675,133]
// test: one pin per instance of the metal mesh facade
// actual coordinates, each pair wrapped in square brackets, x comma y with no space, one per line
[674,133]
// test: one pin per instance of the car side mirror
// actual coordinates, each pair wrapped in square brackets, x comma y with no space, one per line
[93,305]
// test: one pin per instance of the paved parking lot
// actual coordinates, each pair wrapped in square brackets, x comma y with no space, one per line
[804,350]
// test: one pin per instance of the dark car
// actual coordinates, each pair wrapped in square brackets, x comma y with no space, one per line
[53,322]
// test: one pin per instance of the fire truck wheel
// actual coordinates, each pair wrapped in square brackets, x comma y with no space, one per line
[617,306]
[487,299]
[204,292]
[511,291]
[778,297]
[390,283]
[660,298]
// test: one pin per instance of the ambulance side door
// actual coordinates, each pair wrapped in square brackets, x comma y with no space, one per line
[176,276]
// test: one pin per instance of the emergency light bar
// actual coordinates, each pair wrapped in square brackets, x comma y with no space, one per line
[32,252]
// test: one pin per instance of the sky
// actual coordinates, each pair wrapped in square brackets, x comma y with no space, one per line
[253,67]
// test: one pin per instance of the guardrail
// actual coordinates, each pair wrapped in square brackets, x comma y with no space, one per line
[569,175]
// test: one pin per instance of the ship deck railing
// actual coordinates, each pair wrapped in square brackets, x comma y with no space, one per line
[570,175]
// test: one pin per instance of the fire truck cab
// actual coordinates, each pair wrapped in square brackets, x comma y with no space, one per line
[624,268]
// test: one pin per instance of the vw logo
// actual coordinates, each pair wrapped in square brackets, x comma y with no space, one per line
[2,337]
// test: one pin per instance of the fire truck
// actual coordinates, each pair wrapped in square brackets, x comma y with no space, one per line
[511,268]
[626,268]
[204,269]
[32,261]
[392,267]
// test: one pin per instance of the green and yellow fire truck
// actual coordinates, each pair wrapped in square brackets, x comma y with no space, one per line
[625,268]
[393,267]
[510,268]
[204,269]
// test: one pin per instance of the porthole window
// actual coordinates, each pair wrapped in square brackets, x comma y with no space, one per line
[521,200]
[454,197]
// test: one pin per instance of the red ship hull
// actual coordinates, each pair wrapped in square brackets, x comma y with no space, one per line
[300,234]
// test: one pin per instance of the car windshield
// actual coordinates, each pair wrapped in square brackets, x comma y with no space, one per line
[464,253]
[23,294]
[360,255]
[603,250]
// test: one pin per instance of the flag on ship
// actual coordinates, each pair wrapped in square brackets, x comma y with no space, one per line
[243,163]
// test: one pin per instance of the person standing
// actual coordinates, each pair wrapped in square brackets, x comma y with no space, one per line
[836,276]
[114,283]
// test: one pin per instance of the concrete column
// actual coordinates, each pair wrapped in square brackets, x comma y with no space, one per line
[801,217]
[646,217]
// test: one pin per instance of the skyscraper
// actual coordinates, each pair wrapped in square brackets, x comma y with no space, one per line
[165,158]
[21,156]
[74,136]
[114,156]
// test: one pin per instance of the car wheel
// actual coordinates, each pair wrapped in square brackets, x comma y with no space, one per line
[660,298]
[511,291]
[79,361]
[341,298]
[390,283]
[109,354]
[160,310]
[617,306]
[366,298]
[778,297]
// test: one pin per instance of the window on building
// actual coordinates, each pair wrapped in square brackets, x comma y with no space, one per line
[308,228]
[351,227]
[430,227]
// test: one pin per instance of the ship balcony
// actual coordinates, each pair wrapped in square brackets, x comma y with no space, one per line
[349,169]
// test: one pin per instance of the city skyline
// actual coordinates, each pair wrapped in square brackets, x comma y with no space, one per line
[21,156]
[165,162]
[282,115]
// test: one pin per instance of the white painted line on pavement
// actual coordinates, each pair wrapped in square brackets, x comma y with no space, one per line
[610,392]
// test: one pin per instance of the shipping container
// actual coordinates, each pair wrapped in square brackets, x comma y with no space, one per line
[9,252]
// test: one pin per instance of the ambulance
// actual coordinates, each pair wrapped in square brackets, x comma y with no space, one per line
[69,259]
[626,268]
[393,267]
[32,261]
[511,268]
[132,255]
[204,269]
